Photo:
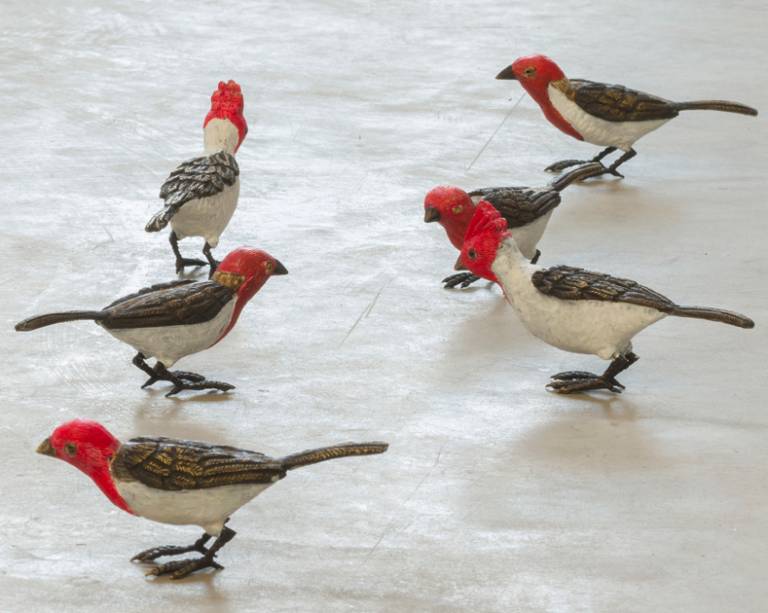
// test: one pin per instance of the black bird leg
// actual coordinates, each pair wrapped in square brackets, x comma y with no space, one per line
[579,381]
[625,157]
[563,164]
[464,278]
[181,379]
[178,569]
[172,550]
[180,261]
[536,257]
[212,262]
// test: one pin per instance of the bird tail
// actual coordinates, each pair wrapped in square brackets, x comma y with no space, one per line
[313,456]
[716,105]
[593,169]
[159,220]
[33,323]
[726,317]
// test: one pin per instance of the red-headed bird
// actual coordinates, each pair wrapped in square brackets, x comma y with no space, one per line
[526,209]
[571,308]
[180,482]
[612,116]
[172,320]
[201,194]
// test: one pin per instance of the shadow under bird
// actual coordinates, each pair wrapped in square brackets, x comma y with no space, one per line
[571,308]
[171,320]
[526,209]
[180,482]
[612,116]
[201,194]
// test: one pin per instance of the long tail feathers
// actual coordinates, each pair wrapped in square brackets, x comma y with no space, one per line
[716,105]
[313,456]
[726,317]
[159,221]
[33,323]
[585,171]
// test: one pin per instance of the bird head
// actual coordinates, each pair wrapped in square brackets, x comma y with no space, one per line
[226,108]
[246,270]
[86,445]
[452,208]
[535,73]
[485,233]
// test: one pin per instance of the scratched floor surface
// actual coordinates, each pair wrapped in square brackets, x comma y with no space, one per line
[495,495]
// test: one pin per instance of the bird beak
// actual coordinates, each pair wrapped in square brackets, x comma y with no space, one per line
[507,74]
[279,269]
[459,265]
[46,448]
[431,214]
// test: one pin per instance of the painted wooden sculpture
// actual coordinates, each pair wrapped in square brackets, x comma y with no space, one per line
[612,116]
[180,482]
[172,320]
[202,193]
[571,308]
[526,209]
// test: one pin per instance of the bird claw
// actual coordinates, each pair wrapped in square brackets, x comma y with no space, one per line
[166,550]
[574,381]
[182,263]
[464,279]
[199,385]
[178,569]
[563,164]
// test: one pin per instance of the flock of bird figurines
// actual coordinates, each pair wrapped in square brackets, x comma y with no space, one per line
[496,231]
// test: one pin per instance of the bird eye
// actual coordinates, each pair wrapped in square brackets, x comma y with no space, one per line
[472,254]
[70,448]
[457,209]
[529,72]
[269,265]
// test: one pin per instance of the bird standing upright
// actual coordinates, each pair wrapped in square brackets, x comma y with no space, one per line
[180,482]
[526,209]
[202,193]
[612,116]
[172,320]
[571,308]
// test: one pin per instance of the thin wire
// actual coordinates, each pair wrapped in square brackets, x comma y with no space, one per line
[503,121]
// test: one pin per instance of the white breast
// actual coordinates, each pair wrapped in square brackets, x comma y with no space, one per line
[529,235]
[595,327]
[207,217]
[621,134]
[208,508]
[170,343]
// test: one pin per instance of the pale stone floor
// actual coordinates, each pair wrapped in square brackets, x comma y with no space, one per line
[495,495]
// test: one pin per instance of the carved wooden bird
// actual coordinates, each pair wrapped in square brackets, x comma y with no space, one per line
[526,209]
[612,116]
[571,308]
[202,193]
[180,482]
[172,320]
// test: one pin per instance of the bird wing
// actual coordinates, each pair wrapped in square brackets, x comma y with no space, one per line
[569,283]
[168,304]
[169,464]
[619,103]
[199,178]
[519,205]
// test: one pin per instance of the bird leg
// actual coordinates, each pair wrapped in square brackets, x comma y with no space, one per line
[172,550]
[563,164]
[181,379]
[212,262]
[180,261]
[625,157]
[464,278]
[178,569]
[579,381]
[536,257]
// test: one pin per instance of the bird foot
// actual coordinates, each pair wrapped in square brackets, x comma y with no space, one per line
[182,263]
[563,164]
[573,381]
[178,569]
[167,550]
[612,171]
[179,374]
[464,278]
[180,385]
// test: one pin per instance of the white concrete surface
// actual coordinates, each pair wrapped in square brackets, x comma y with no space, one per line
[495,495]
